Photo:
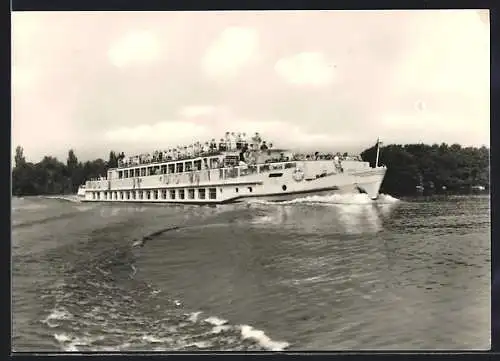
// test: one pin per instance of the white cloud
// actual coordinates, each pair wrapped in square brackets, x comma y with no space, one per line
[136,47]
[448,65]
[307,68]
[450,56]
[235,48]
[429,127]
[192,111]
[183,132]
[157,135]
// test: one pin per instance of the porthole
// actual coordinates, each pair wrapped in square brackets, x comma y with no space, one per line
[250,189]
[236,190]
[283,187]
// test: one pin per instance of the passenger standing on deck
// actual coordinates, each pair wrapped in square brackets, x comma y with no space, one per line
[256,140]
[239,146]
[242,155]
[227,140]
[244,142]
[232,145]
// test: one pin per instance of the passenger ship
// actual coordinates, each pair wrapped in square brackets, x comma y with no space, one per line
[228,174]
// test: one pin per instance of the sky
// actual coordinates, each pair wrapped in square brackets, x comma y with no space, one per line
[331,80]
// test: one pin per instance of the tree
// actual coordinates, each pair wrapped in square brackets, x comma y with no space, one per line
[72,161]
[73,171]
[437,166]
[113,160]
[19,159]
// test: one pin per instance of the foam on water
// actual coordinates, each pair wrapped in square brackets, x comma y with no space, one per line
[193,317]
[358,199]
[69,198]
[152,339]
[62,337]
[70,343]
[202,344]
[215,321]
[386,198]
[57,314]
[112,318]
[219,329]
[248,332]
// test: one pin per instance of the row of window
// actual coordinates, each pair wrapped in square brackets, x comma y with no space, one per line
[180,168]
[191,193]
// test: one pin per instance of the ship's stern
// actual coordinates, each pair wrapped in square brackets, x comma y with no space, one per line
[81,192]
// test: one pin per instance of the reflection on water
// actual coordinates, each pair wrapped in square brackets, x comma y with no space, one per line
[340,214]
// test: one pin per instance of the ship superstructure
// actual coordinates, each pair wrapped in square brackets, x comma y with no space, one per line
[231,170]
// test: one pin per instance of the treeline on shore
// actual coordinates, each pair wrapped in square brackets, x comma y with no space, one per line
[50,176]
[435,168]
[431,169]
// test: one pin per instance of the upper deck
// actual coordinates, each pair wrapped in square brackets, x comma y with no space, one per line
[232,157]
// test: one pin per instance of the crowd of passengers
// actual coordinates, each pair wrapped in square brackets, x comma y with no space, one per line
[314,156]
[231,142]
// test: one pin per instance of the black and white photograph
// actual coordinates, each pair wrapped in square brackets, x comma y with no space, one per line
[216,181]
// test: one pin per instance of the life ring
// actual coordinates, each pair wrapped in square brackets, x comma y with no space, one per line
[298,175]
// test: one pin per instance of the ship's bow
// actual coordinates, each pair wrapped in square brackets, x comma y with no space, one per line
[370,184]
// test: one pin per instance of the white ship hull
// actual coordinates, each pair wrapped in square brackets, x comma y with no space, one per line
[271,182]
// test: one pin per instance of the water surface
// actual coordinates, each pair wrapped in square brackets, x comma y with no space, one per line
[319,273]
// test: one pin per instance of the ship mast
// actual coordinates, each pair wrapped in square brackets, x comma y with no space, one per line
[378,152]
